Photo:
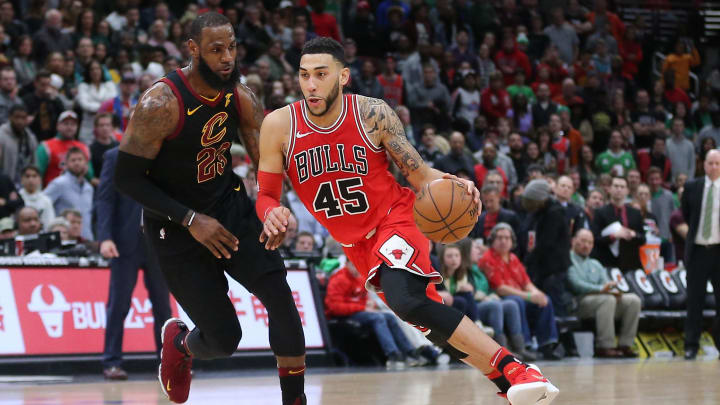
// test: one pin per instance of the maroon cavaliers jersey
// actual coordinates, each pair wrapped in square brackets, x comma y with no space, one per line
[341,177]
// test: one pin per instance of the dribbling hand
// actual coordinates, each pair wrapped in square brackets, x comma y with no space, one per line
[218,240]
[274,228]
[471,189]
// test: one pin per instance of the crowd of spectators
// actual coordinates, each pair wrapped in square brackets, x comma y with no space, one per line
[549,106]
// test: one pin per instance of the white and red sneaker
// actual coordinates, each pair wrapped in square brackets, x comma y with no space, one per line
[527,384]
[174,371]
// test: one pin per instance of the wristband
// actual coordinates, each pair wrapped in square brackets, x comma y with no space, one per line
[528,297]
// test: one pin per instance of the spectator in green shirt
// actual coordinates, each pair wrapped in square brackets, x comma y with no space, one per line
[616,160]
[519,87]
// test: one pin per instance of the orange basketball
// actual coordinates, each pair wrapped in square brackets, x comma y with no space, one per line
[444,211]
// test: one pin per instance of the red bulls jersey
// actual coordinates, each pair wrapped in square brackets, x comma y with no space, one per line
[341,177]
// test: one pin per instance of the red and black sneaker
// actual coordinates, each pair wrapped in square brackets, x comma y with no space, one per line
[174,371]
[527,384]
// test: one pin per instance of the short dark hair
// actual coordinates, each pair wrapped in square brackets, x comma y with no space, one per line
[619,178]
[73,151]
[17,107]
[654,170]
[30,168]
[42,74]
[206,20]
[325,45]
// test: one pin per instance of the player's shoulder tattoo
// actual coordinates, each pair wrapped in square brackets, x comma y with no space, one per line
[384,127]
[154,118]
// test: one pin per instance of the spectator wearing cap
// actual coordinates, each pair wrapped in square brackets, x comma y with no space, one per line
[50,37]
[495,101]
[92,92]
[391,82]
[509,59]
[466,99]
[33,196]
[50,155]
[45,107]
[17,143]
[618,246]
[72,191]
[121,105]
[367,83]
[548,250]
[563,36]
[7,228]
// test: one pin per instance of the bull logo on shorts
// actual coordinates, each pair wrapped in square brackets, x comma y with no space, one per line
[398,253]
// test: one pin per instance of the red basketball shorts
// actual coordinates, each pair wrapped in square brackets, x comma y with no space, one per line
[399,244]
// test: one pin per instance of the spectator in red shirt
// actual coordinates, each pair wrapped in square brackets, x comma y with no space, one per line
[495,101]
[347,298]
[631,52]
[325,23]
[507,276]
[488,165]
[509,59]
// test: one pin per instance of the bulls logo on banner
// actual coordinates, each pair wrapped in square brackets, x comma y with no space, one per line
[668,282]
[51,313]
[643,282]
[618,278]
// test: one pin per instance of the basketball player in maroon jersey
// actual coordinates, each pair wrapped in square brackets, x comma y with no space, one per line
[198,217]
[333,148]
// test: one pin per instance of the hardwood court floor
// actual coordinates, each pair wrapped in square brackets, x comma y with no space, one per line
[581,383]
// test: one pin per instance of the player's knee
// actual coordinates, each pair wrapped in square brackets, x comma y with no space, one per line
[403,305]
[226,343]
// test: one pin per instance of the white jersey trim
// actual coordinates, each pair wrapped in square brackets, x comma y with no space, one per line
[325,130]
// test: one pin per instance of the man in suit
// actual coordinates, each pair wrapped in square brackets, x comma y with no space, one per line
[122,241]
[630,235]
[493,214]
[548,247]
[701,210]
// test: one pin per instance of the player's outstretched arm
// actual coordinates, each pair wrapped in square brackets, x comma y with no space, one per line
[251,118]
[155,118]
[274,135]
[385,128]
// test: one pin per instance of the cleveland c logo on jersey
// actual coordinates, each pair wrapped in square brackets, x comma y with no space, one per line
[325,159]
[209,134]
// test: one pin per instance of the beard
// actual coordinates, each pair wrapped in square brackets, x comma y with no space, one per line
[216,81]
[334,93]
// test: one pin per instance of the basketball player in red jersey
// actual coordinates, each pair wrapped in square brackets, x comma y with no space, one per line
[333,147]
[198,217]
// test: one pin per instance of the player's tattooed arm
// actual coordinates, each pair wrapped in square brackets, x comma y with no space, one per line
[252,115]
[154,118]
[385,128]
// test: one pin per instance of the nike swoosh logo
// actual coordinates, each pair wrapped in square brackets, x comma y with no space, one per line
[191,112]
[293,372]
[299,135]
[239,187]
[167,387]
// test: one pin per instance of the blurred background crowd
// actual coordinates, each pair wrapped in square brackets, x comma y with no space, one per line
[579,125]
